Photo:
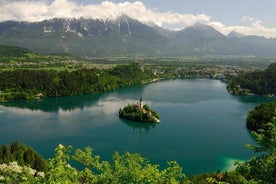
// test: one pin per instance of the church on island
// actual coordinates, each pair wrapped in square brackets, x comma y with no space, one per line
[139,113]
[140,103]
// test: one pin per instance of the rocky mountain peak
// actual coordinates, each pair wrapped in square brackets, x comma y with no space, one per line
[234,34]
[204,30]
[127,36]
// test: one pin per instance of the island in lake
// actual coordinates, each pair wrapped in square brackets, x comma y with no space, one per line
[139,112]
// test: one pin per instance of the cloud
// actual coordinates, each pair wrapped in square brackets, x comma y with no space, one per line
[29,10]
[246,18]
[40,10]
[255,27]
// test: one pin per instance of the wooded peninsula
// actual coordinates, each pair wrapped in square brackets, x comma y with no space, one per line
[262,82]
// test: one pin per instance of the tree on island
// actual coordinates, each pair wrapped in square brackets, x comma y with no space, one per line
[137,112]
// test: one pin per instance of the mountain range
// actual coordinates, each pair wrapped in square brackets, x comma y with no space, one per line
[125,36]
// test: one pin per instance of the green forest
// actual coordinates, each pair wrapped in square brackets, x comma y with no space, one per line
[257,82]
[21,164]
[8,51]
[258,118]
[262,123]
[28,84]
[23,155]
[16,57]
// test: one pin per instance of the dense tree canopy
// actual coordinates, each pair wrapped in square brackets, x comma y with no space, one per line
[23,155]
[126,168]
[260,116]
[262,122]
[8,51]
[26,84]
[258,82]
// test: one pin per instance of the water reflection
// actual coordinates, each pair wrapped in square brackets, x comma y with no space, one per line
[64,116]
[56,103]
[185,91]
[36,124]
[141,127]
[256,99]
[70,103]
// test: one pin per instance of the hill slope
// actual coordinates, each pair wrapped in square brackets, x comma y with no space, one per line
[258,82]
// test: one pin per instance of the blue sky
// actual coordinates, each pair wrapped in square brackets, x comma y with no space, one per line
[249,17]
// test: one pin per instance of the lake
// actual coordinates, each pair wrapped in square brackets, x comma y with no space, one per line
[202,126]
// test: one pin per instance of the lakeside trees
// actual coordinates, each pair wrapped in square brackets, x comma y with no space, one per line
[125,168]
[26,84]
[262,169]
[257,82]
[260,116]
[23,155]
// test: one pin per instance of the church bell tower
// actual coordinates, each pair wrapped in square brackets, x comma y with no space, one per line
[141,105]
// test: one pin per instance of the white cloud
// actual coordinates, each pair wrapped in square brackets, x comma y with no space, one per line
[255,28]
[21,10]
[247,18]
[30,10]
[40,10]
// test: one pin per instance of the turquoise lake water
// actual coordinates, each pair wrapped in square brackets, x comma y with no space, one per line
[202,126]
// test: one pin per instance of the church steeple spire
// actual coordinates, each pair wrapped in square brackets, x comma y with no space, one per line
[141,105]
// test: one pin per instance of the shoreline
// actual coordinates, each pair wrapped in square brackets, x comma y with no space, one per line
[3,100]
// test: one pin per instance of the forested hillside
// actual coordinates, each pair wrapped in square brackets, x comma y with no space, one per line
[7,51]
[23,155]
[257,82]
[12,57]
[26,84]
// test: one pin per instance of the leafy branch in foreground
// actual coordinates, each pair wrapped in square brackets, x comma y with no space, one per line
[262,168]
[126,168]
[23,155]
